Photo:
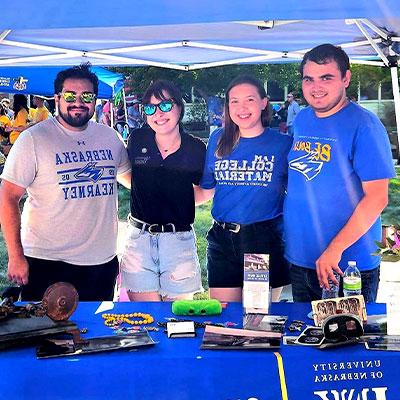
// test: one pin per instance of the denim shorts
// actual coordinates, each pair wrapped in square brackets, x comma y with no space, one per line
[226,249]
[305,284]
[166,263]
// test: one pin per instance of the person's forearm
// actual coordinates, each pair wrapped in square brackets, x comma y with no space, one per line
[363,217]
[10,219]
[201,195]
[125,179]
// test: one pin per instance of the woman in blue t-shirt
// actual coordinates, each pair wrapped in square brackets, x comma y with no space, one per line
[246,172]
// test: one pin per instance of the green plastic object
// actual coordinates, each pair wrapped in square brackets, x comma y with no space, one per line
[196,307]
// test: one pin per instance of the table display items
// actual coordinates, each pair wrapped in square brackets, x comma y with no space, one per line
[269,323]
[336,330]
[383,343]
[354,305]
[181,329]
[136,318]
[43,323]
[197,307]
[217,338]
[351,280]
[30,323]
[256,291]
[68,347]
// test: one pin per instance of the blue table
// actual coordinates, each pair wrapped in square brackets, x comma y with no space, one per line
[178,369]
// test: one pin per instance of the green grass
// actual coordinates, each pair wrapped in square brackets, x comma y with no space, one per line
[390,216]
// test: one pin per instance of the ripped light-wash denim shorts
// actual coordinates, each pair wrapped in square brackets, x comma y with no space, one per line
[166,263]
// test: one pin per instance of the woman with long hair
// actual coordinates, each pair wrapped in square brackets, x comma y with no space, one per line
[160,258]
[246,171]
[21,116]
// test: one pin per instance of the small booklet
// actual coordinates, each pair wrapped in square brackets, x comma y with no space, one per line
[218,338]
[256,293]
[341,305]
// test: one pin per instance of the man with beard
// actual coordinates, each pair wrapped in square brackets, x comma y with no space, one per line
[68,166]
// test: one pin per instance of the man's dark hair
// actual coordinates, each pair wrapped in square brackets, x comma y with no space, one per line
[325,53]
[78,72]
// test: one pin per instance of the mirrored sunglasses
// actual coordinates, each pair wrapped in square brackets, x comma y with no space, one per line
[86,97]
[164,106]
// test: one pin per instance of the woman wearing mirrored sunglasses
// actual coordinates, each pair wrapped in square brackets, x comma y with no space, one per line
[160,258]
[246,170]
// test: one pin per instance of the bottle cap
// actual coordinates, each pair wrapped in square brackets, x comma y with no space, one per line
[352,263]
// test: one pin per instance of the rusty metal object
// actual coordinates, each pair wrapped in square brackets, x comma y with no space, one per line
[60,301]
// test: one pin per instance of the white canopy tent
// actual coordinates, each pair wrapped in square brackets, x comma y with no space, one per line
[199,34]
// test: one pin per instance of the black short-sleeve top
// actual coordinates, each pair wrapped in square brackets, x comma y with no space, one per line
[162,189]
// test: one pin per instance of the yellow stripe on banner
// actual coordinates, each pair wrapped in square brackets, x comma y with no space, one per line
[282,379]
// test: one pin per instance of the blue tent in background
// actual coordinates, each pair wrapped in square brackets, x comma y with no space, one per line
[39,80]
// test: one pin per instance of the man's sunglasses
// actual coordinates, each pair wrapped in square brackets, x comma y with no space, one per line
[86,97]
[164,106]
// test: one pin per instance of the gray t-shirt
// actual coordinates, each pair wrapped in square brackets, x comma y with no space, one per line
[70,177]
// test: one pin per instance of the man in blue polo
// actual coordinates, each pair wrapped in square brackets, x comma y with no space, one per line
[339,167]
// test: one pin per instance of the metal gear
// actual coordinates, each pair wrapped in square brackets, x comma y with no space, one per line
[60,301]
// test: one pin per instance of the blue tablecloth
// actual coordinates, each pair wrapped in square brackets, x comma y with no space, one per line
[178,369]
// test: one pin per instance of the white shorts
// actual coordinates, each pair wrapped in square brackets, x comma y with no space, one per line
[166,263]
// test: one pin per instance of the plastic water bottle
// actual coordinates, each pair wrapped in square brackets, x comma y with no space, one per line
[351,280]
[333,290]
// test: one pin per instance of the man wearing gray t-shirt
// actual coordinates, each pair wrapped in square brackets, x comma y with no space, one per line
[68,166]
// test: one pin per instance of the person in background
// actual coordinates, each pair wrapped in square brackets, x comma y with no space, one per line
[292,110]
[99,110]
[68,166]
[339,167]
[135,119]
[5,124]
[106,114]
[41,112]
[6,104]
[246,168]
[160,259]
[21,116]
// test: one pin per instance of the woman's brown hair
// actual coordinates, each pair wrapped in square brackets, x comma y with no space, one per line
[231,135]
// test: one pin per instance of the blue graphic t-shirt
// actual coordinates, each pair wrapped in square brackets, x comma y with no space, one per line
[329,160]
[250,183]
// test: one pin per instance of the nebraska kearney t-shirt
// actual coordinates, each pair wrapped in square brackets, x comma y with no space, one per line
[70,178]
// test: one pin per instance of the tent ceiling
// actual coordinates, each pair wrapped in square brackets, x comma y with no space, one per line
[49,14]
[198,45]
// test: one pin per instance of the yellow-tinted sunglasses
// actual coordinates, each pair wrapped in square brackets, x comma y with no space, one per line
[86,97]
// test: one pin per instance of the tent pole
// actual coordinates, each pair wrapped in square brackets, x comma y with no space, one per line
[396,96]
[124,99]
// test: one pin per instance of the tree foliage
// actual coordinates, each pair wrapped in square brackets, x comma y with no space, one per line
[213,81]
